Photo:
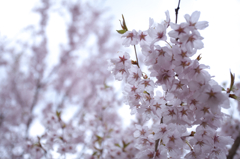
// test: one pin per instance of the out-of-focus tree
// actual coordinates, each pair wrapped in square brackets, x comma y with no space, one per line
[35,87]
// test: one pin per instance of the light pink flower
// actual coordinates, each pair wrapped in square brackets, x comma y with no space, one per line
[131,38]
[193,21]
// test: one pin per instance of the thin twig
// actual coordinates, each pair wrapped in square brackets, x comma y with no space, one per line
[168,43]
[136,56]
[156,144]
[176,11]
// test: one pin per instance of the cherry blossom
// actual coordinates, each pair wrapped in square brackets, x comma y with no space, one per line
[190,95]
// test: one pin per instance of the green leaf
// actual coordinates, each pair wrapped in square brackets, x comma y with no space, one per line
[124,23]
[121,31]
[232,81]
[146,92]
[94,153]
[117,145]
[99,139]
[125,144]
[58,113]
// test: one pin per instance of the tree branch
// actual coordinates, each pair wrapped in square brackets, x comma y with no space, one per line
[234,148]
[176,11]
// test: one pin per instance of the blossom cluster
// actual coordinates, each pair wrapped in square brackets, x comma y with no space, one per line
[231,125]
[177,94]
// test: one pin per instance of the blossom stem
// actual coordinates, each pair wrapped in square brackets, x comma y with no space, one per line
[168,44]
[189,145]
[137,59]
[136,56]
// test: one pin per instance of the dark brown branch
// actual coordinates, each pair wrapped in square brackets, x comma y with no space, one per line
[234,148]
[176,11]
[156,144]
